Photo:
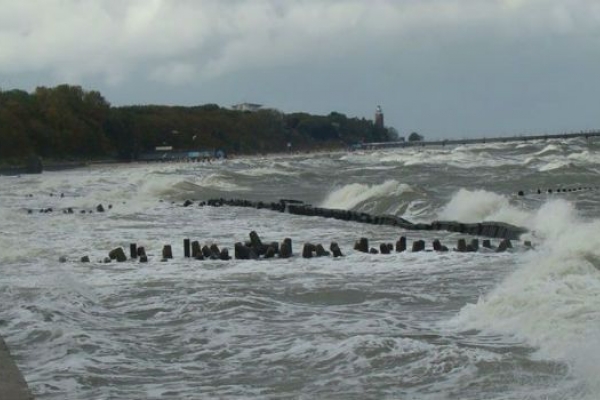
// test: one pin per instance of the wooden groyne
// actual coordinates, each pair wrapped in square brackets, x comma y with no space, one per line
[12,384]
[255,249]
[490,229]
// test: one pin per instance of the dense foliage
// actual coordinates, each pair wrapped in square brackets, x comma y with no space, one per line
[68,122]
[415,137]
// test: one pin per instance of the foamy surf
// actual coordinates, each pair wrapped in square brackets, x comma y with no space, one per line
[389,197]
[512,325]
[550,301]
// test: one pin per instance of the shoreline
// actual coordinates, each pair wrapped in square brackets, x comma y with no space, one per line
[12,383]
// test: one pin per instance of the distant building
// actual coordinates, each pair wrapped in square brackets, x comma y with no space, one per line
[246,107]
[379,117]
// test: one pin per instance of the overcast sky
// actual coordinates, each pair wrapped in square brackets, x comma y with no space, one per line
[443,68]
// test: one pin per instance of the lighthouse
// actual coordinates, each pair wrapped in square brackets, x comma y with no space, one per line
[379,117]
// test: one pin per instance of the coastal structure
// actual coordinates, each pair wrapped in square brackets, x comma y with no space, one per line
[12,383]
[252,107]
[379,118]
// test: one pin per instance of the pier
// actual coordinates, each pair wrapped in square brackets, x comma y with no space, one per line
[480,140]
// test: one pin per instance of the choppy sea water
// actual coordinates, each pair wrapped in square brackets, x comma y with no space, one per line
[517,325]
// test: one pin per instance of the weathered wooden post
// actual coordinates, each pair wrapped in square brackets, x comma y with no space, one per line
[401,244]
[335,249]
[256,242]
[167,251]
[117,254]
[186,248]
[504,245]
[474,246]
[320,251]
[418,245]
[270,252]
[285,250]
[384,249]
[288,241]
[307,250]
[362,245]
[224,254]
[197,250]
[215,252]
[206,251]
[461,246]
[133,250]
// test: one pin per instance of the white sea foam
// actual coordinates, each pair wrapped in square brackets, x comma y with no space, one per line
[480,205]
[549,149]
[555,164]
[552,300]
[350,196]
[374,316]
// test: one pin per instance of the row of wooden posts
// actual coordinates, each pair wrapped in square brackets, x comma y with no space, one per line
[70,210]
[489,229]
[254,249]
[561,190]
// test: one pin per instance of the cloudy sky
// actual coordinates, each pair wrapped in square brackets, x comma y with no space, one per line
[444,68]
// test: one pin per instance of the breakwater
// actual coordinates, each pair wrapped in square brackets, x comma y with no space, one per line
[490,229]
[255,248]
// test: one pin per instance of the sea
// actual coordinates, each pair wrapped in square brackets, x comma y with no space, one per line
[519,324]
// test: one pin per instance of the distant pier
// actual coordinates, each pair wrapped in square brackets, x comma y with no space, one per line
[497,139]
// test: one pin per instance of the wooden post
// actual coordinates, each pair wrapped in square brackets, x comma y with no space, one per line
[133,250]
[117,254]
[167,252]
[335,249]
[197,250]
[401,244]
[418,245]
[186,248]
[288,241]
[362,245]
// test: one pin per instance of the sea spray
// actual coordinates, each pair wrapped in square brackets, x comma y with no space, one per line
[551,301]
[389,197]
[480,205]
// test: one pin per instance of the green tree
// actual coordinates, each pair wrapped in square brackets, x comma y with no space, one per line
[415,137]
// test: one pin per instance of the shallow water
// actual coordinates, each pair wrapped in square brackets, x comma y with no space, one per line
[485,325]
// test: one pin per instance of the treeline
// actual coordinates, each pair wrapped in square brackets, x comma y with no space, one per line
[68,122]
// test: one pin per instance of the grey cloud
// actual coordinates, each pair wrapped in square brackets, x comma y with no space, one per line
[435,65]
[114,37]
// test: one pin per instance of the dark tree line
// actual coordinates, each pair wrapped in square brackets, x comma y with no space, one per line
[68,122]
